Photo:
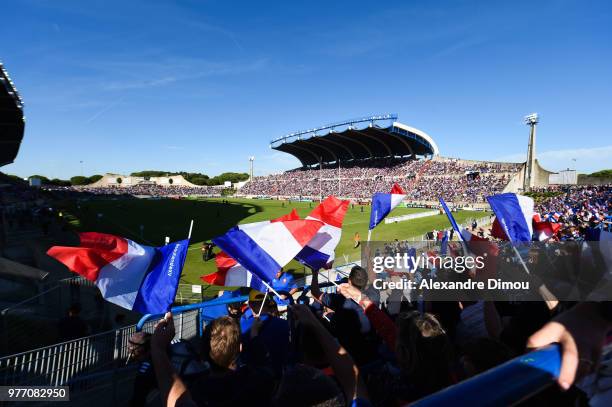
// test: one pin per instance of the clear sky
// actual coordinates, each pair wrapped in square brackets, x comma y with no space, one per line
[200,86]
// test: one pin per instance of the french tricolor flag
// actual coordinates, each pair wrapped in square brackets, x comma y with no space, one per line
[545,230]
[515,214]
[320,251]
[230,273]
[133,276]
[264,247]
[383,203]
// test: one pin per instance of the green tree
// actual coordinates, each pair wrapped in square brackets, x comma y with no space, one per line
[95,178]
[79,180]
[602,174]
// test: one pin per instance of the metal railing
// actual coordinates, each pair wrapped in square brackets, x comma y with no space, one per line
[193,293]
[58,364]
[33,321]
[90,365]
[504,385]
[149,320]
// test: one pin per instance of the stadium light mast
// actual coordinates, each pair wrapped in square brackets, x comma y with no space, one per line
[530,166]
[251,159]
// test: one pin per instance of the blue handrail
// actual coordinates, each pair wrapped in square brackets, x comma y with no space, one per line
[505,385]
[184,308]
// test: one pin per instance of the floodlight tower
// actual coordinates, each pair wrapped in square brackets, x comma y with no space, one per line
[251,159]
[530,166]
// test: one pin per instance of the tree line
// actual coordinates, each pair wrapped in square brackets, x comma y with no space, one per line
[193,177]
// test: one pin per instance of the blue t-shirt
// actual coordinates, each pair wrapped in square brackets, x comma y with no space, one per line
[284,283]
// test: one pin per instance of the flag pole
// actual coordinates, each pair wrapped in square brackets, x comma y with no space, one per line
[551,300]
[272,289]
[190,229]
[262,303]
[328,279]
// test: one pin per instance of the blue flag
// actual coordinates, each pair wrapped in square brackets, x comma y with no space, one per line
[451,219]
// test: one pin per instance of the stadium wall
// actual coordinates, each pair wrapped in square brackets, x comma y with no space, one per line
[111,180]
[586,180]
[542,177]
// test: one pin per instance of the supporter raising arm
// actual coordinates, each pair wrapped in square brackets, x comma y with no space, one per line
[383,325]
[581,332]
[171,387]
[340,360]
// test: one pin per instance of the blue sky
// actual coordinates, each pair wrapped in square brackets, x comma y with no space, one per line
[202,85]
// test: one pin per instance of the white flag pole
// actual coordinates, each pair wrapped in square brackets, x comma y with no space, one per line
[262,304]
[272,289]
[190,229]
[550,299]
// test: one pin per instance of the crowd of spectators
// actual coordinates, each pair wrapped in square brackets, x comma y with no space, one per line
[147,189]
[424,180]
[340,349]
[577,209]
[22,207]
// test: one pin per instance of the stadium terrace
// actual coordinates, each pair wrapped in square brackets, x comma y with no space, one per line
[12,122]
[355,158]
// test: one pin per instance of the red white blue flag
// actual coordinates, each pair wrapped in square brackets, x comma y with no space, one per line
[133,276]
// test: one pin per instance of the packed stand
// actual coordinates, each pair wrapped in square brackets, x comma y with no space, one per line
[142,190]
[424,180]
[576,209]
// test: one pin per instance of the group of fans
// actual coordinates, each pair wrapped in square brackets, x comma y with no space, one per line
[147,189]
[345,347]
[458,180]
[577,209]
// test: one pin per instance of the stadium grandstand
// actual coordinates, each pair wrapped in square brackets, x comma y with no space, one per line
[355,158]
[127,185]
[244,347]
[12,121]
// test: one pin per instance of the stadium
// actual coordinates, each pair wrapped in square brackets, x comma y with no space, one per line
[85,269]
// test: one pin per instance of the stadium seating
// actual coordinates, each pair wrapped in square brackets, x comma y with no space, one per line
[456,180]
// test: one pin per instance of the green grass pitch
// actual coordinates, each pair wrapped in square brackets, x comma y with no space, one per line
[212,217]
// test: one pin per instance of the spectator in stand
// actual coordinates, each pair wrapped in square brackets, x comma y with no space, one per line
[72,326]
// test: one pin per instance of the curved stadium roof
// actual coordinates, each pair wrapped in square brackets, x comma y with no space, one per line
[357,139]
[12,123]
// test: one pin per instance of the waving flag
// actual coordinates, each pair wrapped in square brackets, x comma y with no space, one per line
[444,244]
[320,251]
[231,273]
[514,213]
[451,218]
[545,230]
[133,276]
[383,203]
[264,247]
